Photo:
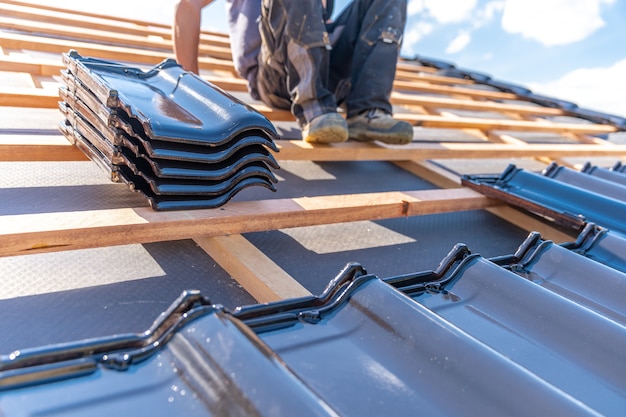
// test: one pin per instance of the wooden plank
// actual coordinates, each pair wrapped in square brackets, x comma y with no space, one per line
[115,53]
[432,173]
[79,13]
[36,67]
[57,148]
[414,75]
[353,151]
[29,97]
[451,103]
[251,268]
[57,16]
[17,148]
[230,84]
[443,178]
[434,121]
[50,232]
[412,66]
[41,44]
[531,224]
[78,19]
[107,37]
[444,89]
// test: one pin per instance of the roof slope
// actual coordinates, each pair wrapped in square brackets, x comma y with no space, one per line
[88,259]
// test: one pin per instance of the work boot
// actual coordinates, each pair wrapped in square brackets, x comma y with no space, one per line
[376,124]
[327,128]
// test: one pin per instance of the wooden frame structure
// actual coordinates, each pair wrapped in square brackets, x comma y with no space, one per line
[430,101]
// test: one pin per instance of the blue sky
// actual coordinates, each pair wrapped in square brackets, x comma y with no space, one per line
[570,49]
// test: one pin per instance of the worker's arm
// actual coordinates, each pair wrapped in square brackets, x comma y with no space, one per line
[186,32]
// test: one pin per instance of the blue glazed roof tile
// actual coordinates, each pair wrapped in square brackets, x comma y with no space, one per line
[606,187]
[601,245]
[545,323]
[570,198]
[613,175]
[168,134]
[168,102]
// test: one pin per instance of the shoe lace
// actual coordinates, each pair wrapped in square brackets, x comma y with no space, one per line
[374,114]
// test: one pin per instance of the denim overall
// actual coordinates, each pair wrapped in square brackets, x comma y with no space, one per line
[311,66]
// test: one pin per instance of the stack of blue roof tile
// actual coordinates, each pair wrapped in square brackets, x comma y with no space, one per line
[180,141]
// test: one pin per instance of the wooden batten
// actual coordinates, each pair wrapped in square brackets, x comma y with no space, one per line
[50,232]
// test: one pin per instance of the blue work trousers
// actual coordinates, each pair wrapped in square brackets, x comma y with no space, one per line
[311,66]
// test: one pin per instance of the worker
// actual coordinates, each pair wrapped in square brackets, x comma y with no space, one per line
[295,58]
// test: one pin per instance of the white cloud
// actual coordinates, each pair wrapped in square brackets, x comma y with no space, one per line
[437,13]
[553,22]
[487,13]
[450,11]
[459,43]
[414,7]
[413,34]
[593,88]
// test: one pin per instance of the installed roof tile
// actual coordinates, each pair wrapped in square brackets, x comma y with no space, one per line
[613,174]
[602,246]
[570,197]
[451,70]
[487,334]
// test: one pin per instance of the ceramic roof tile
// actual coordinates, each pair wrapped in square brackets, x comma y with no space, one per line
[486,334]
[168,134]
[571,198]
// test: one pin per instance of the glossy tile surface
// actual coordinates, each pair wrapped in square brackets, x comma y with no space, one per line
[173,137]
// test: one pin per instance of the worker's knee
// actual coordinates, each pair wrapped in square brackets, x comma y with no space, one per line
[388,26]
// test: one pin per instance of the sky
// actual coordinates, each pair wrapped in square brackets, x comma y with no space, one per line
[569,49]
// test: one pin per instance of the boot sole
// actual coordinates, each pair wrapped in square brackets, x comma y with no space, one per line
[329,134]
